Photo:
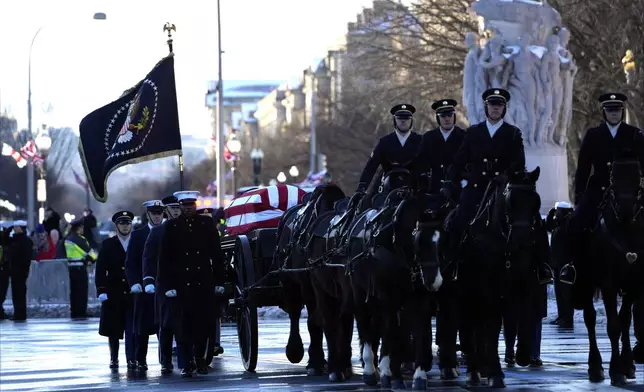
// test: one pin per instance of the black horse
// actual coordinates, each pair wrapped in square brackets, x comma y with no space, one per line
[291,254]
[500,258]
[383,271]
[613,264]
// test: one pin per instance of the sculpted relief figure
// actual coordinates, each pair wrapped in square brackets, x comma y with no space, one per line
[555,85]
[522,86]
[568,70]
[492,60]
[472,88]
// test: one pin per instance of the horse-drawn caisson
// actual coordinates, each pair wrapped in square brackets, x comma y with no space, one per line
[473,253]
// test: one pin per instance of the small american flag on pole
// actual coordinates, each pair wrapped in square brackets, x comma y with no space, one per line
[9,151]
[261,208]
[30,151]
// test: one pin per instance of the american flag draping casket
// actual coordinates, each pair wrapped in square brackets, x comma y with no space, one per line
[261,208]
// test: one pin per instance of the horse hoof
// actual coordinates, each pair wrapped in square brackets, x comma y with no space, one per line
[385,382]
[449,374]
[314,372]
[295,352]
[419,384]
[596,375]
[496,382]
[370,379]
[630,372]
[618,380]
[336,377]
[398,384]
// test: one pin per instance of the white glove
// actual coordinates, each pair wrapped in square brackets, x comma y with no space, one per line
[219,290]
[136,288]
[149,289]
[102,297]
[171,293]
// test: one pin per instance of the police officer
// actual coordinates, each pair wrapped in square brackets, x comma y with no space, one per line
[163,312]
[397,148]
[79,253]
[220,220]
[438,146]
[557,223]
[117,309]
[191,272]
[144,324]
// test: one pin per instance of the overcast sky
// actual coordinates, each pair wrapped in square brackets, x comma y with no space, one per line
[80,64]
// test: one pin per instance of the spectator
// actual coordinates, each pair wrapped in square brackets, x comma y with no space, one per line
[90,223]
[5,271]
[45,245]
[52,220]
[220,221]
[20,254]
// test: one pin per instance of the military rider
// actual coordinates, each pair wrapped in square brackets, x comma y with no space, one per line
[397,148]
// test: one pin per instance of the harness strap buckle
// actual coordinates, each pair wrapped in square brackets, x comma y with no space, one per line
[508,264]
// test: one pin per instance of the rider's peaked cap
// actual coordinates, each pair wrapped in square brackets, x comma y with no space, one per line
[403,110]
[612,100]
[496,95]
[444,105]
[123,217]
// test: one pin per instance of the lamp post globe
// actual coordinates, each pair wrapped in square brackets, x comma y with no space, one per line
[293,171]
[281,177]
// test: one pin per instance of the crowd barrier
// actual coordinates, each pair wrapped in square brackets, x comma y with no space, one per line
[48,283]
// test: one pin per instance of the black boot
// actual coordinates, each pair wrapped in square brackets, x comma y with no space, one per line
[114,352]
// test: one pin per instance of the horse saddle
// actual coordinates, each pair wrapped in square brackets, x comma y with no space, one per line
[341,211]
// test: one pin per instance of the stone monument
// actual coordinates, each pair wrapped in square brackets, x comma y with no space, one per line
[522,47]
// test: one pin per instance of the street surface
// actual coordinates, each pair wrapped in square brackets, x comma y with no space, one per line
[64,355]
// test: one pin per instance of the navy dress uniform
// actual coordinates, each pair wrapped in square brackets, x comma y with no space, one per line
[191,272]
[600,146]
[438,147]
[117,308]
[207,211]
[398,148]
[144,322]
[164,312]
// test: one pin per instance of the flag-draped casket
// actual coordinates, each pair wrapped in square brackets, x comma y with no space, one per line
[261,208]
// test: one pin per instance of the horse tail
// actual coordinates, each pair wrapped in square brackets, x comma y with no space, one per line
[597,295]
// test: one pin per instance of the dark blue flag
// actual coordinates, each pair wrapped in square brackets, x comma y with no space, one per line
[140,126]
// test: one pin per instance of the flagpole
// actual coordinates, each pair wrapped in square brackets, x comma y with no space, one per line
[169,28]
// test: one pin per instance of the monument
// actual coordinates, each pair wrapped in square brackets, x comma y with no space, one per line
[521,46]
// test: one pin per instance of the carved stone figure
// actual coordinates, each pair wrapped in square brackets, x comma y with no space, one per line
[470,87]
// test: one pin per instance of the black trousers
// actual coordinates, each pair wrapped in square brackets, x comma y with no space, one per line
[5,275]
[563,294]
[78,291]
[166,336]
[190,350]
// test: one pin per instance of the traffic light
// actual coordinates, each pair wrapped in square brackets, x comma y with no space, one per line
[322,162]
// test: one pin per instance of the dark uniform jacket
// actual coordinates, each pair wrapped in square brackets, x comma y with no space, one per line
[144,320]
[485,157]
[164,312]
[389,153]
[435,155]
[110,279]
[598,151]
[191,262]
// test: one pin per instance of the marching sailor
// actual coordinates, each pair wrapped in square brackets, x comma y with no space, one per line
[79,254]
[150,261]
[117,309]
[144,324]
[395,149]
[190,273]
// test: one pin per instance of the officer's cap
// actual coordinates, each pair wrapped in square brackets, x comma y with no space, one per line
[186,197]
[563,205]
[205,210]
[496,95]
[123,217]
[612,100]
[20,223]
[403,110]
[444,105]
[154,205]
[170,201]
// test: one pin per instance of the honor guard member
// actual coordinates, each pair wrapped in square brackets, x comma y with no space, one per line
[191,272]
[163,312]
[214,341]
[439,146]
[80,255]
[395,149]
[144,323]
[117,308]
[612,140]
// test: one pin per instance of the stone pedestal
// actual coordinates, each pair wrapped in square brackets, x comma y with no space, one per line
[553,181]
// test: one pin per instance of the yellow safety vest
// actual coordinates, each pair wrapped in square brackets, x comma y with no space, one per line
[76,252]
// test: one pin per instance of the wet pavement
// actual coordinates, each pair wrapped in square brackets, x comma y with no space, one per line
[63,355]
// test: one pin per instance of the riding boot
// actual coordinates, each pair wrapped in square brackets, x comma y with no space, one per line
[114,352]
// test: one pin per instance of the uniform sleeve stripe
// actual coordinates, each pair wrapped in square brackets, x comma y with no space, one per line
[149,277]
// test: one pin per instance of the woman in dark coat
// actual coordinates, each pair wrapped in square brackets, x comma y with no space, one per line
[117,310]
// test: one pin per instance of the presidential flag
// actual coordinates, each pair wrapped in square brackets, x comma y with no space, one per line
[143,124]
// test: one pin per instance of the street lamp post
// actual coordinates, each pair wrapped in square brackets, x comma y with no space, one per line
[31,194]
[221,183]
[234,147]
[43,143]
[257,155]
[294,173]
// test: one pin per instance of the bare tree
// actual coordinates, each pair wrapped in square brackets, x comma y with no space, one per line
[63,151]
